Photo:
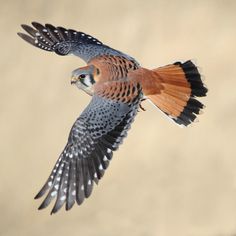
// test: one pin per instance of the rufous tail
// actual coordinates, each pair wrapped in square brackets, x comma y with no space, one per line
[174,89]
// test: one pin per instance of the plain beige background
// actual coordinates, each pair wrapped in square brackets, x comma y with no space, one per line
[164,180]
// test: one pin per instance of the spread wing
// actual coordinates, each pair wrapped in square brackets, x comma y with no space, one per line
[66,41]
[94,136]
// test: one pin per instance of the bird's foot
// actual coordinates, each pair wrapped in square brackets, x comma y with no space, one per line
[140,105]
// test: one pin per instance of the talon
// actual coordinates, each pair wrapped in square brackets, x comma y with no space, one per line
[140,106]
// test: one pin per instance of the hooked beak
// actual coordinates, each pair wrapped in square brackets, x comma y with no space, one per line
[73,80]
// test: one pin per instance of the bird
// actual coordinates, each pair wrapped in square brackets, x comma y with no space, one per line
[117,84]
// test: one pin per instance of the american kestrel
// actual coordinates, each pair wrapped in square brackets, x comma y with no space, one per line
[117,84]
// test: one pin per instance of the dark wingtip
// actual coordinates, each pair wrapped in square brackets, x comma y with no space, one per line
[20,35]
[69,206]
[37,25]
[27,38]
[53,211]
[29,30]
[24,26]
[34,23]
[42,206]
[37,196]
[42,191]
[57,206]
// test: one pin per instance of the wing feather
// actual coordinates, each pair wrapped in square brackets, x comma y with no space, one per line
[66,41]
[98,132]
[71,191]
[80,181]
[61,188]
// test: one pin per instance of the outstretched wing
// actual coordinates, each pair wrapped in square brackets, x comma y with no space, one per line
[66,41]
[94,136]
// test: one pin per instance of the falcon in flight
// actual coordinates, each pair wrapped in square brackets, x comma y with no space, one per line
[118,85]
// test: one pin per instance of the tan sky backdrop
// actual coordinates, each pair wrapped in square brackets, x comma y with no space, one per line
[164,180]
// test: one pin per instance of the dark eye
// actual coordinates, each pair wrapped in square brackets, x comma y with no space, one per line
[82,76]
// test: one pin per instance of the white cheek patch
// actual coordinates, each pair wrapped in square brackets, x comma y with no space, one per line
[79,85]
[86,89]
[88,81]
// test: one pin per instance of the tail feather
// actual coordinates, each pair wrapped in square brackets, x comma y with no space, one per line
[194,78]
[174,89]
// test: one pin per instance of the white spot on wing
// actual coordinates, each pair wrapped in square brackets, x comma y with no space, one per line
[50,183]
[73,193]
[63,198]
[89,182]
[54,193]
[100,167]
[105,158]
[82,187]
[56,186]
[108,150]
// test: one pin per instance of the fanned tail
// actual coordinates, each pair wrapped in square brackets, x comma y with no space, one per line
[182,84]
[174,89]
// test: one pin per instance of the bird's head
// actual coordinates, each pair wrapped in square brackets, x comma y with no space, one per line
[83,78]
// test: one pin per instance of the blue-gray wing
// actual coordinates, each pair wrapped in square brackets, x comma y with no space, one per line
[94,136]
[66,41]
